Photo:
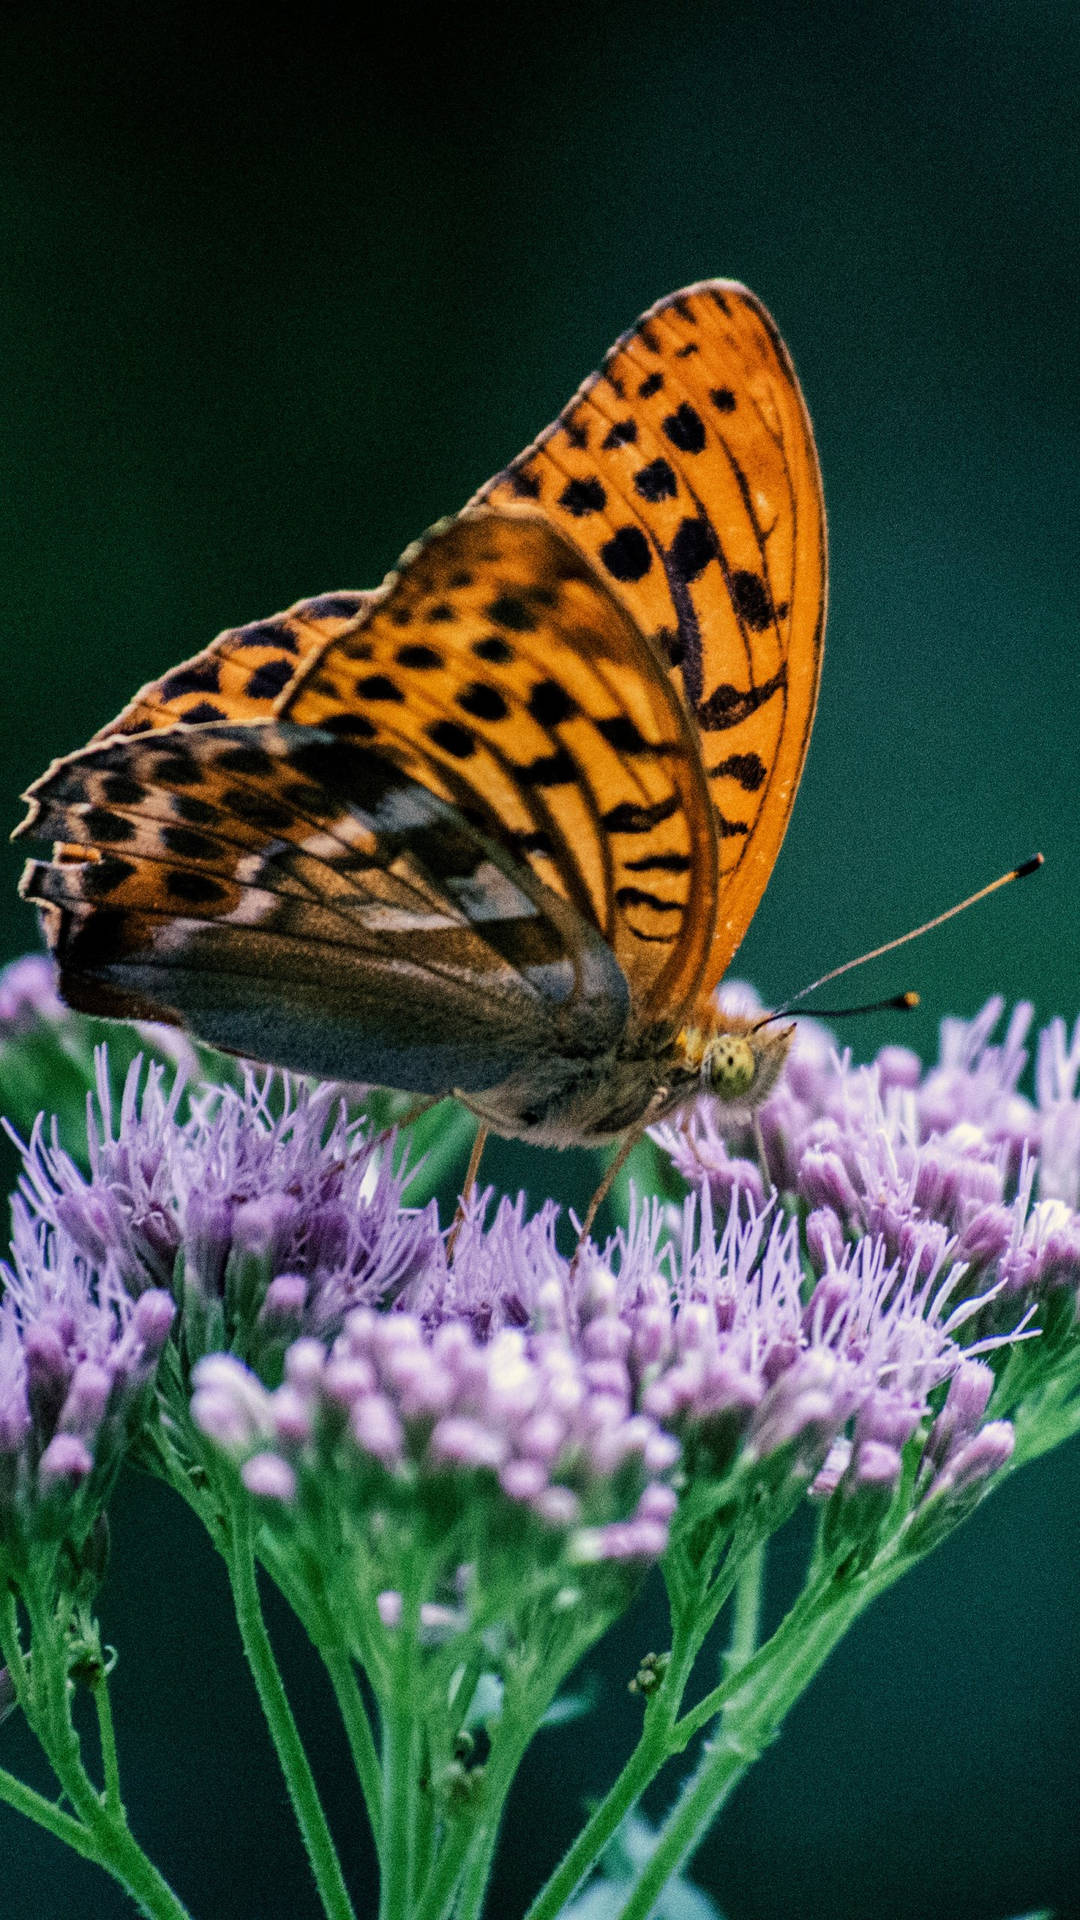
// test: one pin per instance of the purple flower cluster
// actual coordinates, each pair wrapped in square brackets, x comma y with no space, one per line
[754,1370]
[267,1191]
[569,1392]
[77,1356]
[938,1166]
[483,1435]
[798,1325]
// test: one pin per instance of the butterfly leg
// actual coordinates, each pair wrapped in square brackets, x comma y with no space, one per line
[626,1147]
[471,1171]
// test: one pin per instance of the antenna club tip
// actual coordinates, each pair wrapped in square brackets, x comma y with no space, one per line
[909,1000]
[1030,866]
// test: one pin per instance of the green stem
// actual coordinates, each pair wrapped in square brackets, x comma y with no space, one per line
[806,1608]
[693,1613]
[752,1716]
[99,1832]
[326,1636]
[396,1857]
[642,1767]
[54,1820]
[746,1621]
[346,1685]
[110,1764]
[118,1850]
[514,1736]
[279,1718]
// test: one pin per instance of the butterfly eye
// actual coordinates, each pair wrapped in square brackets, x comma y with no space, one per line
[731,1067]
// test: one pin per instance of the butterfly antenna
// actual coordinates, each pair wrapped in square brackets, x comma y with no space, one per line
[905,999]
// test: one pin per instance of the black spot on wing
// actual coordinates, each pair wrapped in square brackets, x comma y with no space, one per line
[203,676]
[176,770]
[550,704]
[418,656]
[330,606]
[194,889]
[670,645]
[685,429]
[727,705]
[747,768]
[656,481]
[751,600]
[526,485]
[509,610]
[101,824]
[189,807]
[628,817]
[378,686]
[622,434]
[351,772]
[536,841]
[482,701]
[693,546]
[187,844]
[270,679]
[660,863]
[548,770]
[202,712]
[452,738]
[621,733]
[246,758]
[266,633]
[581,497]
[627,555]
[495,649]
[640,897]
[102,877]
[121,790]
[723,399]
[650,385]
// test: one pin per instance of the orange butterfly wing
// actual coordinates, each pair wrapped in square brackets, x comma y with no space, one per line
[685,470]
[549,670]
[499,671]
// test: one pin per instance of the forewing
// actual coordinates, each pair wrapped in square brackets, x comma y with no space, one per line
[499,672]
[685,470]
[292,896]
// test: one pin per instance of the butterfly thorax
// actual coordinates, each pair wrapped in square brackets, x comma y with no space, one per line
[650,1072]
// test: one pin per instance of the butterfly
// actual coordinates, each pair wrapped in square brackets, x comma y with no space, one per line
[497,827]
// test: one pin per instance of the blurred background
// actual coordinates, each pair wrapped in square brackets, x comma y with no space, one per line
[272,303]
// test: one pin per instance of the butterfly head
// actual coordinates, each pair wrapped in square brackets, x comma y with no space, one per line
[736,1059]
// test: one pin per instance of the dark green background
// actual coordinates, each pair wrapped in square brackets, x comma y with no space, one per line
[271,303]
